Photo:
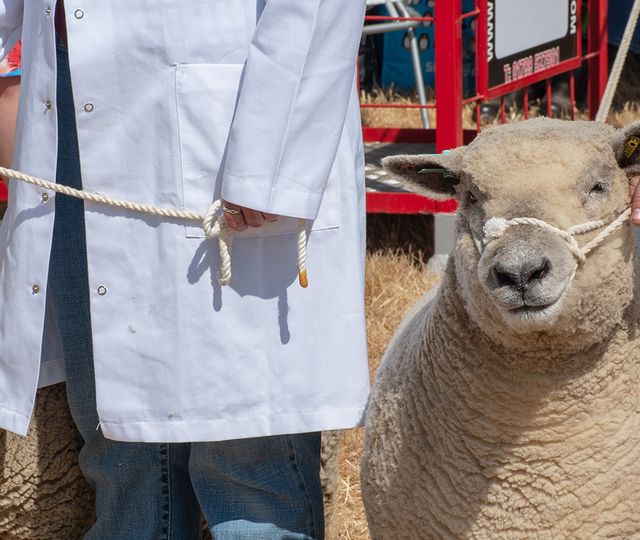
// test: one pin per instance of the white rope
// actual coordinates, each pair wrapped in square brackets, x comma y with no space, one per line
[302,254]
[618,64]
[213,222]
[496,227]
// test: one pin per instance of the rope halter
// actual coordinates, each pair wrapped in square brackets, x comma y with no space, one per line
[213,222]
[496,227]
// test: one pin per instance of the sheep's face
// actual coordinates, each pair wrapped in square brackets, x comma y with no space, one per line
[527,272]
[564,173]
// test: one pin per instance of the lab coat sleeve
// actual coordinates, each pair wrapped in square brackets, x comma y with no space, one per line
[292,105]
[10,25]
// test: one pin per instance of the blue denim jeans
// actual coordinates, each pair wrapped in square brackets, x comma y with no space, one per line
[262,488]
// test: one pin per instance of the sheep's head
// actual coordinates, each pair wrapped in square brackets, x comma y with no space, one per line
[563,173]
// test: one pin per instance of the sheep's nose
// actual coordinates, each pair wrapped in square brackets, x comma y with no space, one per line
[519,274]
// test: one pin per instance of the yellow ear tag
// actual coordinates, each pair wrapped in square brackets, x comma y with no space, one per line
[631,146]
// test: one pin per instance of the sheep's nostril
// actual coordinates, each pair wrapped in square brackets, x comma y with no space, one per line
[519,274]
[540,272]
[505,279]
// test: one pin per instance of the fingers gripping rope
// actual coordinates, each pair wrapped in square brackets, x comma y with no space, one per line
[213,222]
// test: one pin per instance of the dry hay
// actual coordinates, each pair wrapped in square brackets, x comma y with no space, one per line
[625,115]
[394,281]
[621,114]
[386,117]
[410,118]
[397,248]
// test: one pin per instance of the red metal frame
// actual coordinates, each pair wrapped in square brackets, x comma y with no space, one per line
[449,101]
[406,203]
[409,135]
[597,53]
[448,54]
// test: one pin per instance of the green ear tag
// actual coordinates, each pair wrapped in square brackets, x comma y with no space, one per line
[631,146]
[444,172]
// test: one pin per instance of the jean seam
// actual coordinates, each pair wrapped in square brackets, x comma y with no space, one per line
[166,488]
[169,491]
[303,486]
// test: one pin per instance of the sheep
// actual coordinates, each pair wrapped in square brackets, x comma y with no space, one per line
[507,405]
[43,494]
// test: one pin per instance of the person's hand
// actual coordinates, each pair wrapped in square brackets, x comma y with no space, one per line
[239,218]
[634,194]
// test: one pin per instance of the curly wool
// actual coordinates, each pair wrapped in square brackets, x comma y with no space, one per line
[460,446]
[42,491]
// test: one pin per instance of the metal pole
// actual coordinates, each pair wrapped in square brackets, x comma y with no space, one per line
[417,67]
[382,28]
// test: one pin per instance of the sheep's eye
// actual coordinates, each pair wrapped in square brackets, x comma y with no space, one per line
[598,188]
[471,198]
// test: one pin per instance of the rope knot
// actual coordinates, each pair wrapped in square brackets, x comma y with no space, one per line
[215,226]
[494,228]
[212,222]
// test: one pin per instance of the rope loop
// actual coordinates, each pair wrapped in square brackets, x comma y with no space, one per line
[495,227]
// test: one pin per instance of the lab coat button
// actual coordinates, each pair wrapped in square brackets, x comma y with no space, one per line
[78,14]
[35,289]
[45,197]
[48,104]
[47,11]
[102,290]
[88,107]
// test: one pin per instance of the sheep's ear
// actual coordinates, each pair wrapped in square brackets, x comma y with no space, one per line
[433,175]
[626,147]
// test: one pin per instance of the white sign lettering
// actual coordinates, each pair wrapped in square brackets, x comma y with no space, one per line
[573,20]
[490,19]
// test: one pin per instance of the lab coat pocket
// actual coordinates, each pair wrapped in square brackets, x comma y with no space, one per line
[206,96]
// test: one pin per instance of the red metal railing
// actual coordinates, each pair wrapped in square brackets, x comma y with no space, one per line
[449,101]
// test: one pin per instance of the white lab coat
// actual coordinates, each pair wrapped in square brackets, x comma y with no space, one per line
[177,103]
